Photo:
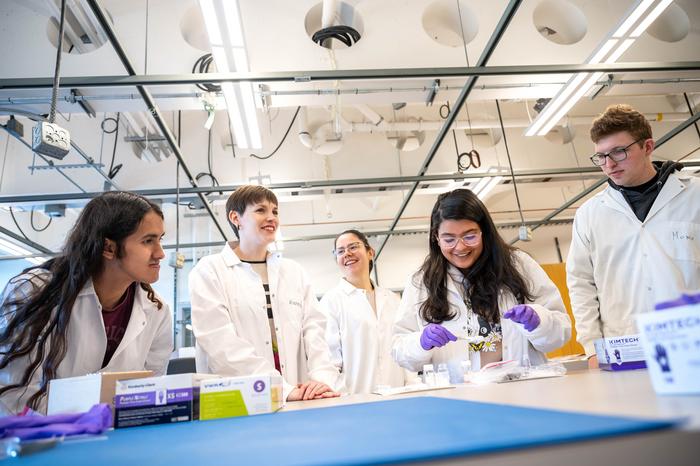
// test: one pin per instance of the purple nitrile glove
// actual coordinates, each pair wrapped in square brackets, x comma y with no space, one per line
[435,336]
[523,314]
[685,299]
[95,421]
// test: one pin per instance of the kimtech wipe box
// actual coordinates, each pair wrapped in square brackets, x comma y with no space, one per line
[620,353]
[157,400]
[671,340]
[239,396]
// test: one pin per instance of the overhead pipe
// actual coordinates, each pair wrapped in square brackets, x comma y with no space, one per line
[303,126]
[397,180]
[334,91]
[336,75]
[152,107]
[434,125]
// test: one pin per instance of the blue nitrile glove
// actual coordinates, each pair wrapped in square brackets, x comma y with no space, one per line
[523,314]
[684,300]
[435,336]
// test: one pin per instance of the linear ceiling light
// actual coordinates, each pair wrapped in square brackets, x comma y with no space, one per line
[12,248]
[610,50]
[223,23]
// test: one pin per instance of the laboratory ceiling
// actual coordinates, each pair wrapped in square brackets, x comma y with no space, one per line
[429,96]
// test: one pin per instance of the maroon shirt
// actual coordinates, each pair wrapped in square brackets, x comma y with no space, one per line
[116,320]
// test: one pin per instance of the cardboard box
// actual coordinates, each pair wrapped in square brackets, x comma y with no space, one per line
[671,342]
[79,394]
[620,353]
[240,396]
[157,400]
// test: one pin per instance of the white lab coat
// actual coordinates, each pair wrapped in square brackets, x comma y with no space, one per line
[360,340]
[554,329]
[618,266]
[229,320]
[146,344]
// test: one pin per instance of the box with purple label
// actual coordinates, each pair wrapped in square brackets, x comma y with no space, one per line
[240,396]
[620,353]
[157,400]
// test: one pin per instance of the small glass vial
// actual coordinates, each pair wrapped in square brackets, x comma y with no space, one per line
[429,375]
[442,376]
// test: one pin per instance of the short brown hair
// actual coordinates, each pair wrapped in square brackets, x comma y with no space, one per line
[617,118]
[244,196]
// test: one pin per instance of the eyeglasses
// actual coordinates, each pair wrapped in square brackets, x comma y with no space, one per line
[470,239]
[352,247]
[618,154]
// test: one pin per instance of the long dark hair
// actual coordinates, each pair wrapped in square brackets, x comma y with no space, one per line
[494,271]
[363,239]
[37,325]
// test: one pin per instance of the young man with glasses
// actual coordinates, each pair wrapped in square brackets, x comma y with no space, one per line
[637,242]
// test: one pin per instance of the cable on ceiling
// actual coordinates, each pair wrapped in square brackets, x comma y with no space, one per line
[283,138]
[510,162]
[12,214]
[57,69]
[202,66]
[345,34]
[34,227]
[113,169]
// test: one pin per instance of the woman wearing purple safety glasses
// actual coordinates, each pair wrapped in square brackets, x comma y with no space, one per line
[475,296]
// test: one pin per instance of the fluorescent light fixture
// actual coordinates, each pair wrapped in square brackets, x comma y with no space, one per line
[492,183]
[12,248]
[627,43]
[223,23]
[609,51]
[633,17]
[651,17]
[15,249]
[598,56]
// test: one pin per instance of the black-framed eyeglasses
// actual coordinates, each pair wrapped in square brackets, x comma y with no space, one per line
[352,247]
[618,154]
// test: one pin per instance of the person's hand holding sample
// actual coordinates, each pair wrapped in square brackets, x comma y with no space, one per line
[435,336]
[525,315]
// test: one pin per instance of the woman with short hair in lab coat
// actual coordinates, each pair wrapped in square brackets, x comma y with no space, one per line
[91,308]
[254,312]
[360,319]
[475,296]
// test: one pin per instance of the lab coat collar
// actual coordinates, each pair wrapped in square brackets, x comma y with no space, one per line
[673,187]
[231,259]
[348,288]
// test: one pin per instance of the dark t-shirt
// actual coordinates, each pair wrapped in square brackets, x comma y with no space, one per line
[116,320]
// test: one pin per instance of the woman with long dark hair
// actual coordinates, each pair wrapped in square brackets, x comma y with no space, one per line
[475,296]
[360,320]
[90,309]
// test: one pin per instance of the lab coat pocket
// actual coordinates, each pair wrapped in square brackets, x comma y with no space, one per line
[681,240]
